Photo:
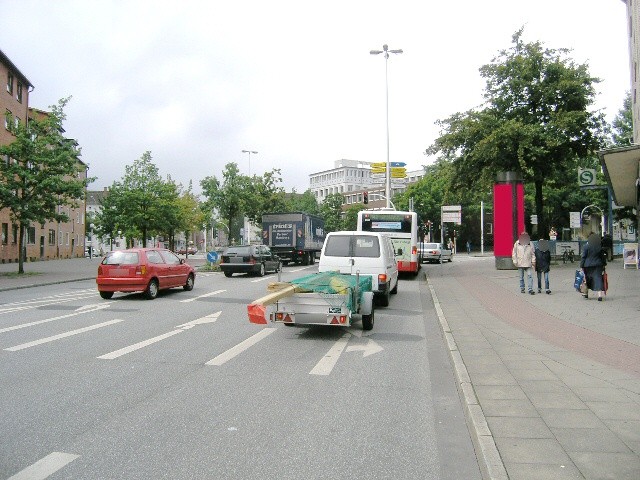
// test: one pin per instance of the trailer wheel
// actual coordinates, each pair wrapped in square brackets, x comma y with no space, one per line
[368,320]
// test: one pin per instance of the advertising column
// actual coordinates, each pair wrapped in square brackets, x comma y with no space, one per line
[508,216]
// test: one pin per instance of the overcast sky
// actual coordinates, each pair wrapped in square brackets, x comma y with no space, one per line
[197,82]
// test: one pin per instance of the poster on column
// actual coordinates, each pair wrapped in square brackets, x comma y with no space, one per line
[630,255]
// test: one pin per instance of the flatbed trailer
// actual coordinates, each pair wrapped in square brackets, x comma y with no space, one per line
[328,298]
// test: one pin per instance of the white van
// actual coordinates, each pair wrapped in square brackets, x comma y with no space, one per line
[366,252]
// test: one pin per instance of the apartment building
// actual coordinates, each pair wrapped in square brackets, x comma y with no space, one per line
[42,241]
[633,27]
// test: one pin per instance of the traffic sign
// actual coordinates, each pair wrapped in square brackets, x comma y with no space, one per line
[378,170]
[574,220]
[586,177]
[212,257]
[379,165]
[398,164]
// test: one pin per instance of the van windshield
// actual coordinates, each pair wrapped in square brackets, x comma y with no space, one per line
[352,246]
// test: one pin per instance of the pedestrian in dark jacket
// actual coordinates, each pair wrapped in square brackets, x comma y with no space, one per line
[592,263]
[543,264]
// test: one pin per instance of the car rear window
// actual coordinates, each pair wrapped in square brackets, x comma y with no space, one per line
[121,258]
[352,246]
[238,251]
[431,245]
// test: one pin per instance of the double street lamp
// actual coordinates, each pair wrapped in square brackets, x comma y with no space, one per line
[385,50]
[249,152]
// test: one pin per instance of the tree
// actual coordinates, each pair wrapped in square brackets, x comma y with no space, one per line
[350,221]
[622,134]
[145,203]
[302,202]
[190,214]
[331,212]
[263,195]
[41,171]
[536,122]
[227,196]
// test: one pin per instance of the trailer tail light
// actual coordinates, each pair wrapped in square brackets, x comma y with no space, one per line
[279,316]
[343,319]
[334,321]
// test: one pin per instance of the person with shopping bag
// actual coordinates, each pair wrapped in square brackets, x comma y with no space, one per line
[593,262]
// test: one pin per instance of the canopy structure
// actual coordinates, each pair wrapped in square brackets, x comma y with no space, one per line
[622,169]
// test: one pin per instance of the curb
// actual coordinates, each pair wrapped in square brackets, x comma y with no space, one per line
[44,284]
[490,462]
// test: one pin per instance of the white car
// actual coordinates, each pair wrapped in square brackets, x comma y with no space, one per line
[434,252]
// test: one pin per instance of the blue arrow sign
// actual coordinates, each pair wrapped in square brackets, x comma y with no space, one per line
[212,257]
[398,164]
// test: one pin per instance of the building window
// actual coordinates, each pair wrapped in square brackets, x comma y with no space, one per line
[60,237]
[52,236]
[19,92]
[31,235]
[67,235]
[14,240]
[7,119]
[5,233]
[10,83]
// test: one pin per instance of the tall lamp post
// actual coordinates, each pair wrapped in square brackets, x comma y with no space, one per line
[249,152]
[386,51]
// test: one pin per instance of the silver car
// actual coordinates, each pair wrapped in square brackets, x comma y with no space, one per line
[434,252]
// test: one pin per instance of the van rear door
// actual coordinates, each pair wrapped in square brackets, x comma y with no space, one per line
[337,254]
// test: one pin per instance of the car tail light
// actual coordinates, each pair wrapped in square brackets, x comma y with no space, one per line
[414,250]
[141,270]
[252,260]
[99,269]
[382,278]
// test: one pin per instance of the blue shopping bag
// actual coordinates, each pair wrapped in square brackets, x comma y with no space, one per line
[578,280]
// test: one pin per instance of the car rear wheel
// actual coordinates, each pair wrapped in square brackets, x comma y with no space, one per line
[394,290]
[384,298]
[190,281]
[152,289]
[228,274]
[106,295]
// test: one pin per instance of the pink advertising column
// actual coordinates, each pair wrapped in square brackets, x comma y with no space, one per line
[508,216]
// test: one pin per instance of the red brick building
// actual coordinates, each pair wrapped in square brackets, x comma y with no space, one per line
[53,239]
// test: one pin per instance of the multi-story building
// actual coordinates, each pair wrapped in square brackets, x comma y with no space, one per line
[42,241]
[633,26]
[352,178]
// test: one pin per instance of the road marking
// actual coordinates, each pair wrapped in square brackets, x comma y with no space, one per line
[138,346]
[210,294]
[208,319]
[241,347]
[80,311]
[326,364]
[260,279]
[31,304]
[369,348]
[62,335]
[45,466]
[298,269]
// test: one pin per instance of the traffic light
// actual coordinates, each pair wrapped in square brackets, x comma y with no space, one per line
[365,197]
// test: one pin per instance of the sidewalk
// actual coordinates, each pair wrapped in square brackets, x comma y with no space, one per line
[551,383]
[50,272]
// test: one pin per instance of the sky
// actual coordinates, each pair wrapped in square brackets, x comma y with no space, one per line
[197,82]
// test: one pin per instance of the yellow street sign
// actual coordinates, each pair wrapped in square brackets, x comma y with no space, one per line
[379,165]
[378,170]
[398,175]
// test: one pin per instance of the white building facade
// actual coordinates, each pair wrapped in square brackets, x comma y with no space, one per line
[633,26]
[350,178]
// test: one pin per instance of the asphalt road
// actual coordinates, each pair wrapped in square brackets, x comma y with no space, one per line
[184,387]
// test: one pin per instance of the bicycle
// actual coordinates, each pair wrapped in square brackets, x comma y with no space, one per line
[568,254]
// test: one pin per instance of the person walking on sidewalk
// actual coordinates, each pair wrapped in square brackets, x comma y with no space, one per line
[524,259]
[592,262]
[543,264]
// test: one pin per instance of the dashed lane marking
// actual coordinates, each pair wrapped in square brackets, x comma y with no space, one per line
[83,310]
[241,347]
[210,294]
[45,467]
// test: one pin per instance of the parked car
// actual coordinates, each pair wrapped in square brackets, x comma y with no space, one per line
[189,250]
[368,253]
[434,252]
[147,270]
[252,259]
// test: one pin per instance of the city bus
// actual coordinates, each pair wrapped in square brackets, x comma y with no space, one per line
[402,228]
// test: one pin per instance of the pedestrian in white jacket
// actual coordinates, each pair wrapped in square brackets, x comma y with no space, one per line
[524,257]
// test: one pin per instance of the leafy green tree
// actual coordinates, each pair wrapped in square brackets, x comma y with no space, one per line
[190,214]
[226,196]
[40,171]
[107,221]
[302,202]
[536,122]
[262,194]
[144,203]
[331,212]
[350,221]
[622,134]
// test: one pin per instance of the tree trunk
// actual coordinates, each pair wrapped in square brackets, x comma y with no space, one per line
[20,249]
[542,221]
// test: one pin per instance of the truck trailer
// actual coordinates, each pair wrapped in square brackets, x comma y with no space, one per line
[295,237]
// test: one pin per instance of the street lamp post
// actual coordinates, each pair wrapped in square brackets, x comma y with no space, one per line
[249,152]
[386,51]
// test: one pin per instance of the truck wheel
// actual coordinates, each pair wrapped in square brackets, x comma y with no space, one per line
[368,320]
[312,258]
[305,259]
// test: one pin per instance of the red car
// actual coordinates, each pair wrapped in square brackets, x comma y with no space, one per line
[147,270]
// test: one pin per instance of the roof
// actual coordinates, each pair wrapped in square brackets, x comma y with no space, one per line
[622,169]
[4,59]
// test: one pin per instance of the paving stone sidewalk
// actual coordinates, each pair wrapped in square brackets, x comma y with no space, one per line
[551,383]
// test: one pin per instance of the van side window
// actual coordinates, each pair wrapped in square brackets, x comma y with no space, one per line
[366,247]
[338,246]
